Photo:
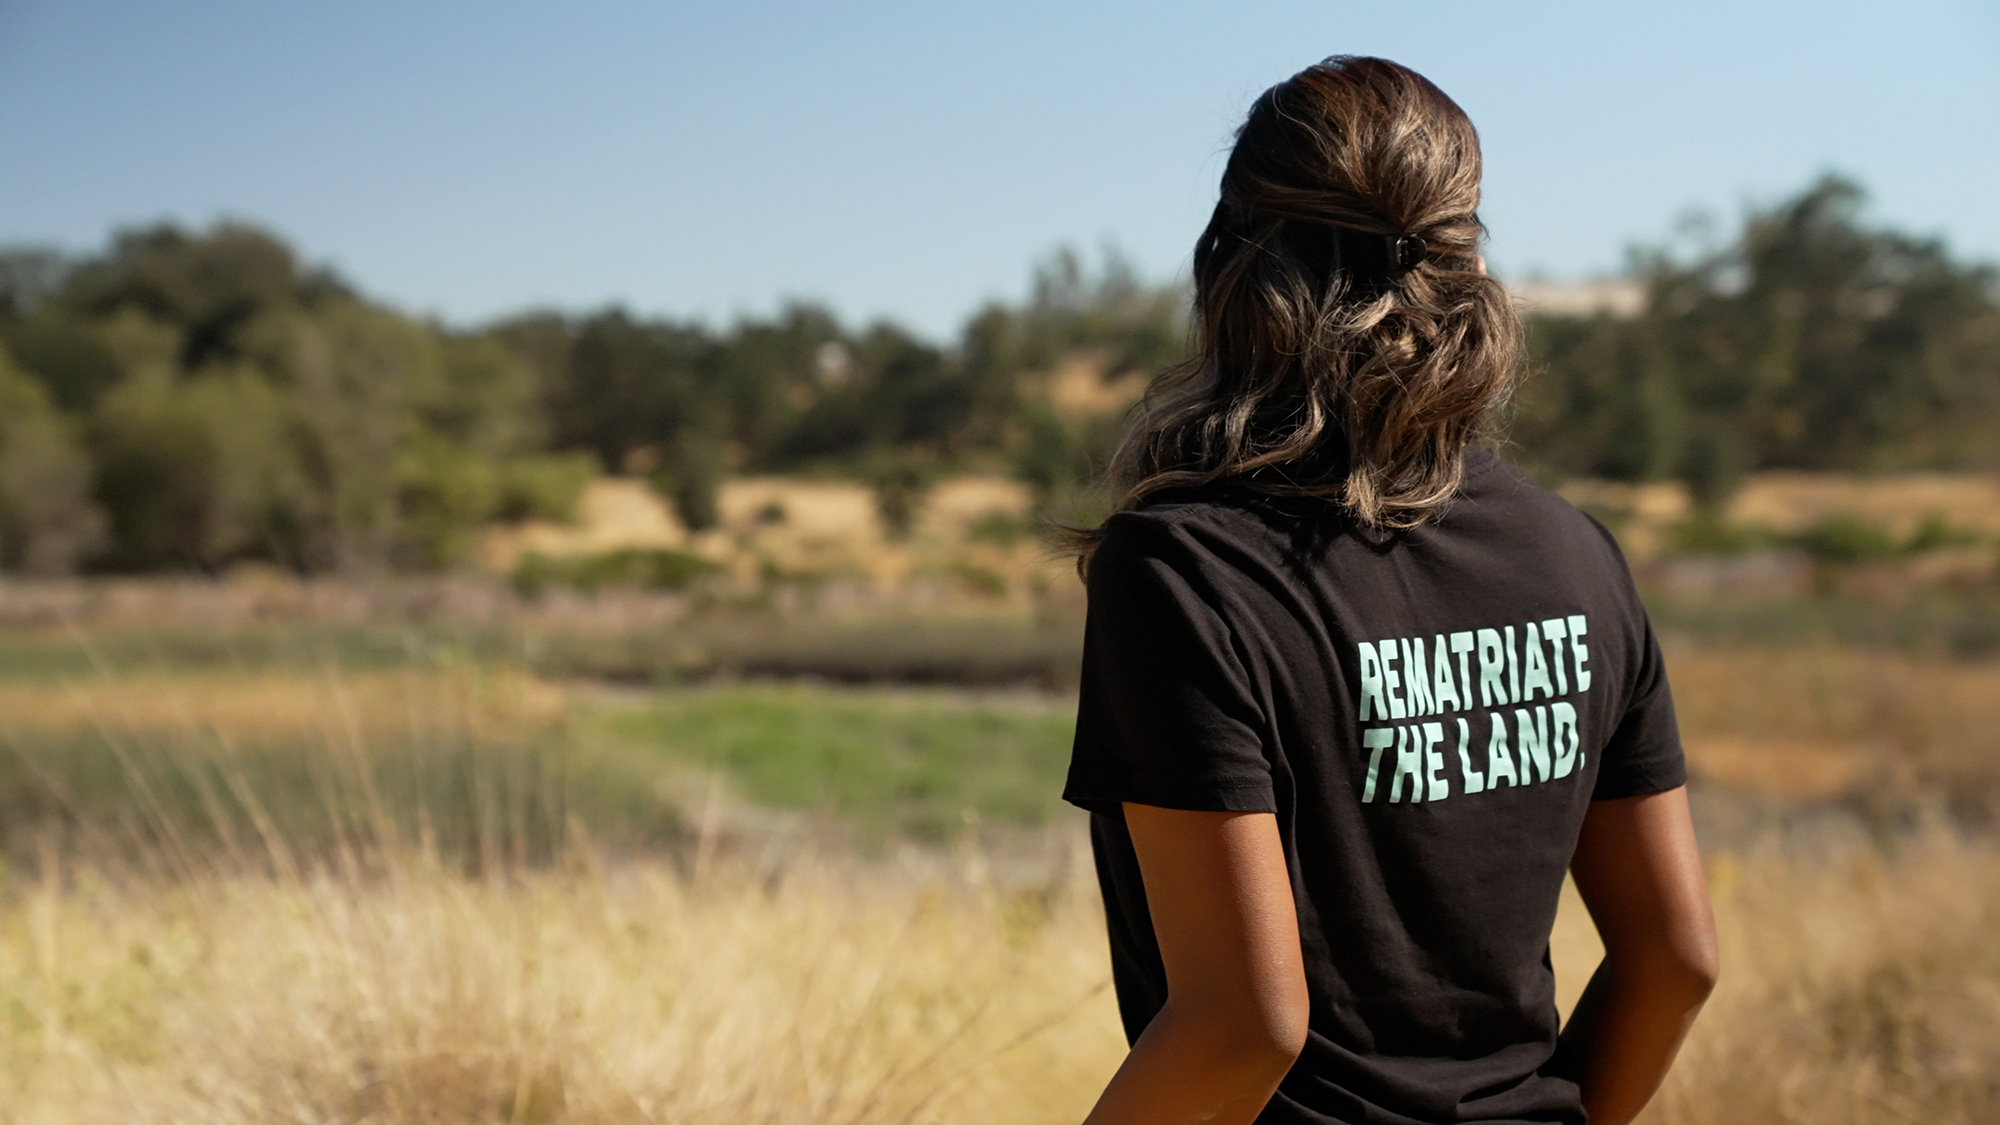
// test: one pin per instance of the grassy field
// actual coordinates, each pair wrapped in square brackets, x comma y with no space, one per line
[1860,988]
[202,748]
[399,875]
[889,762]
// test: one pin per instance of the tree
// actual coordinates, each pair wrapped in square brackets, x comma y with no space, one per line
[1812,341]
[47,521]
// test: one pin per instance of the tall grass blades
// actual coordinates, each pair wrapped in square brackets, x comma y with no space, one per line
[446,891]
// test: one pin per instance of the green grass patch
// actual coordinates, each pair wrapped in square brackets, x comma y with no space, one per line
[1850,539]
[886,762]
[645,569]
[1706,534]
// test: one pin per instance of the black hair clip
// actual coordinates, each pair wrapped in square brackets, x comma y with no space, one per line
[1407,251]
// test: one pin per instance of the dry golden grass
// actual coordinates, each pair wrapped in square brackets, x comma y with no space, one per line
[229,707]
[795,518]
[1860,986]
[1827,721]
[824,528]
[614,513]
[825,993]
[759,980]
[1079,391]
[1791,502]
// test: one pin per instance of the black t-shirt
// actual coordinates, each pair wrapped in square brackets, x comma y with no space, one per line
[1429,713]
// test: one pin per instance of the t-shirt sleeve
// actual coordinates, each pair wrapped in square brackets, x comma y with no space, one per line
[1166,715]
[1644,753]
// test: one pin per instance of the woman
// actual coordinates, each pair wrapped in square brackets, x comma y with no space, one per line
[1356,694]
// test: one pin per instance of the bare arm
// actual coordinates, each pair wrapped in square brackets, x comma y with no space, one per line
[1235,1016]
[1640,875]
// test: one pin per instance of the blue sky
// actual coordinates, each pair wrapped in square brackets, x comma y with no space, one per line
[912,160]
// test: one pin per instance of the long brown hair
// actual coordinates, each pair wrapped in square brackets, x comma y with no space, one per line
[1326,363]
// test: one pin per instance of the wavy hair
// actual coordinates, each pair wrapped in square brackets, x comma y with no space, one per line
[1326,365]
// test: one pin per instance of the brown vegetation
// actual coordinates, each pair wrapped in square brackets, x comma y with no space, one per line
[1827,722]
[1859,987]
[1861,984]
[763,977]
[655,949]
[819,993]
[1782,503]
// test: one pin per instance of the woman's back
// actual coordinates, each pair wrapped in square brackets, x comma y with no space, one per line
[1428,713]
[1356,692]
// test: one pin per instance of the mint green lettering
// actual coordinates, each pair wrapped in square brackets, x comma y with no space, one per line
[1442,687]
[1491,690]
[1417,679]
[1578,626]
[1534,742]
[1391,679]
[1562,720]
[1439,787]
[1553,631]
[1410,764]
[1377,739]
[1499,763]
[1461,643]
[1373,706]
[1474,783]
[1513,669]
[1537,673]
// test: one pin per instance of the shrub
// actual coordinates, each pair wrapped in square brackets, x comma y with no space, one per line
[646,569]
[1707,534]
[1849,539]
[1002,529]
[1936,532]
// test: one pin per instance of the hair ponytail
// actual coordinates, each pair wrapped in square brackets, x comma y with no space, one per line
[1327,365]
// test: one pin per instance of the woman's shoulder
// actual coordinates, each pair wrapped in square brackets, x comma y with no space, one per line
[1495,489]
[1165,526]
[1186,528]
[1235,524]
[1224,510]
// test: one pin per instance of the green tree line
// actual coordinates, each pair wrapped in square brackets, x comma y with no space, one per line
[191,399]
[1810,340]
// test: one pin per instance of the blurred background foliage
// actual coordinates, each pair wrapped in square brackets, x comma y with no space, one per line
[185,400]
[1808,341]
